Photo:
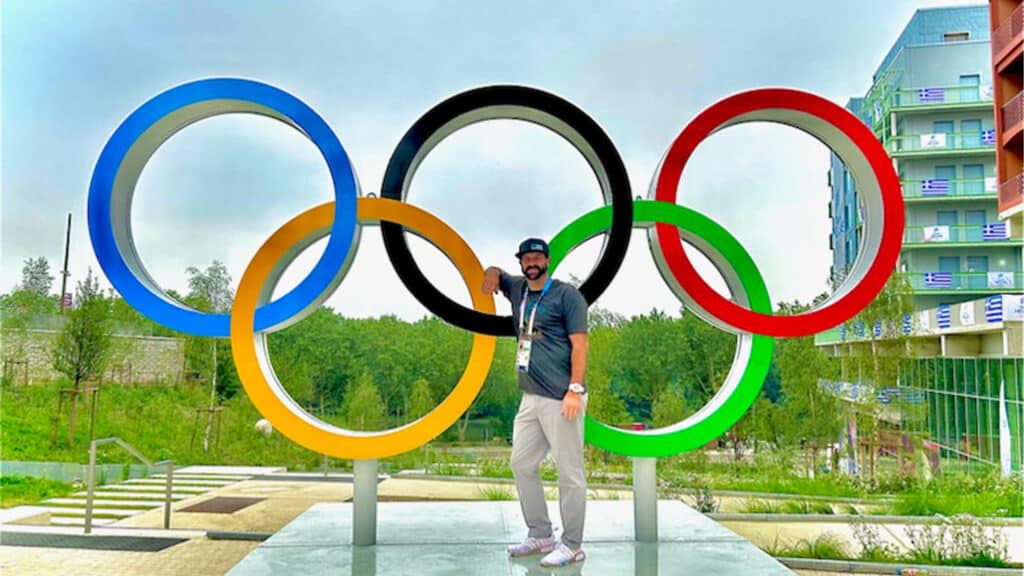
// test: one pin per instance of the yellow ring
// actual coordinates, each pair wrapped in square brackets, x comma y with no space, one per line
[270,398]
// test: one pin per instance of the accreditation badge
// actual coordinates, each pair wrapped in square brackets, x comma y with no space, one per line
[523,353]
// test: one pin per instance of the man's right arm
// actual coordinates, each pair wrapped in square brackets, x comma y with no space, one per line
[496,279]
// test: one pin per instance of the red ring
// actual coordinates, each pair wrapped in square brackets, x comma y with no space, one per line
[710,120]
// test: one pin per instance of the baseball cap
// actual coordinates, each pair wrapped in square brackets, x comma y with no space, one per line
[532,245]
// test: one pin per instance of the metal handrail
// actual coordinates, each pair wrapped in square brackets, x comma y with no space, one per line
[131,450]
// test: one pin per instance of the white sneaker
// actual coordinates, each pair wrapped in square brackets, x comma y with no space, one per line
[562,556]
[532,546]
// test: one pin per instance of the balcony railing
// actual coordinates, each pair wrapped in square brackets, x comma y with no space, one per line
[930,96]
[996,232]
[939,141]
[1013,111]
[953,187]
[1011,192]
[1010,29]
[987,281]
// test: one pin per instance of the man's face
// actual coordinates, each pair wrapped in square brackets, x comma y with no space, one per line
[534,264]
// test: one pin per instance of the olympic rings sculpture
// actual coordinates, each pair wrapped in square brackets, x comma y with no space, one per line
[255,314]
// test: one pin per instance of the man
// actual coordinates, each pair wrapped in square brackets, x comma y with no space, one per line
[551,355]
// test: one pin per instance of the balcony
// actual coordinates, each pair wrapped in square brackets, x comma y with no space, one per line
[935,282]
[943,143]
[949,189]
[941,97]
[995,233]
[1011,192]
[1013,115]
[1008,34]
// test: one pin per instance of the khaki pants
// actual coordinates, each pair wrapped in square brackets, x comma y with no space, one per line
[539,427]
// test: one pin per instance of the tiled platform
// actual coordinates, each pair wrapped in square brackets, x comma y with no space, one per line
[470,538]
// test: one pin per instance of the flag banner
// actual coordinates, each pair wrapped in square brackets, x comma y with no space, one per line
[929,141]
[1000,280]
[935,187]
[995,231]
[967,314]
[942,317]
[842,332]
[938,279]
[935,234]
[991,184]
[924,320]
[994,308]
[877,329]
[1013,307]
[986,92]
[988,137]
[907,323]
[858,328]
[931,95]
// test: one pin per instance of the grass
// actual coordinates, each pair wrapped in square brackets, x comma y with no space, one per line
[825,546]
[18,490]
[496,493]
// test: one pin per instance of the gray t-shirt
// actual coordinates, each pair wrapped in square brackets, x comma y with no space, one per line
[561,312]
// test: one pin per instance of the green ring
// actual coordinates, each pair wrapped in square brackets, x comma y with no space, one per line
[659,442]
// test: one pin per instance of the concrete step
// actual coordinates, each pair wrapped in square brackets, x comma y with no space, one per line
[152,489]
[203,477]
[96,512]
[126,495]
[175,481]
[102,502]
[79,521]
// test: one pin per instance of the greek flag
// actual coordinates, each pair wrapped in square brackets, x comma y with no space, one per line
[938,279]
[906,323]
[877,329]
[842,332]
[944,317]
[935,187]
[859,329]
[994,308]
[995,232]
[931,95]
[988,137]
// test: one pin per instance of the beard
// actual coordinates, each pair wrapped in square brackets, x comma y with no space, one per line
[533,271]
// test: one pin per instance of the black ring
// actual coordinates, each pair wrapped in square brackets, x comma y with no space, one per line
[506,102]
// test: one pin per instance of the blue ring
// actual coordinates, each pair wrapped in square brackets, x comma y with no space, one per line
[307,121]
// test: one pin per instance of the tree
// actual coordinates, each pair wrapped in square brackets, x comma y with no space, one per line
[364,407]
[82,348]
[210,291]
[36,277]
[812,411]
[668,409]
[421,401]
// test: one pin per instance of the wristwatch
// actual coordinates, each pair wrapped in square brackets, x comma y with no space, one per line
[577,388]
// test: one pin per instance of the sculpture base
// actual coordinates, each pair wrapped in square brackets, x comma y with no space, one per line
[470,538]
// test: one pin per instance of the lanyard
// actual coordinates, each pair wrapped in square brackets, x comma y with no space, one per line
[533,313]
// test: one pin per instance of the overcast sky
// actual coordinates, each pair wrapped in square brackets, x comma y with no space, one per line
[73,70]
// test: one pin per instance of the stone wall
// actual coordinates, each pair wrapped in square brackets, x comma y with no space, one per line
[134,359]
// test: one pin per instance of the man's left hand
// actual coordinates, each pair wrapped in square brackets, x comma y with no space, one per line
[571,404]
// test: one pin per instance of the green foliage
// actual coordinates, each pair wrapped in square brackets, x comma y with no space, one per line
[364,408]
[959,541]
[36,278]
[17,490]
[421,401]
[80,352]
[668,409]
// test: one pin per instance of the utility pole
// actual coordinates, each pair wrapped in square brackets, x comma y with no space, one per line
[64,273]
